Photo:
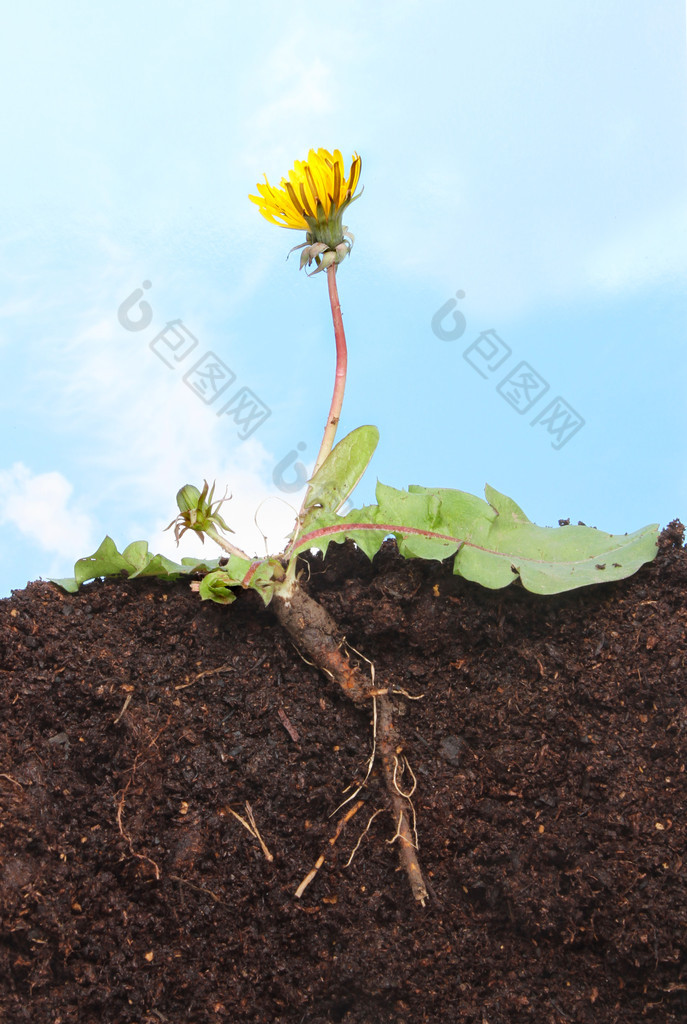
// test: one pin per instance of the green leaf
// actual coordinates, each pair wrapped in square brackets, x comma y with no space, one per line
[552,560]
[197,564]
[135,561]
[264,576]
[215,587]
[492,542]
[106,561]
[322,527]
[146,564]
[68,583]
[339,474]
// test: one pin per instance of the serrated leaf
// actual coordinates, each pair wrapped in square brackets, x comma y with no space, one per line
[551,560]
[262,578]
[147,564]
[324,527]
[493,541]
[106,561]
[135,560]
[137,554]
[160,566]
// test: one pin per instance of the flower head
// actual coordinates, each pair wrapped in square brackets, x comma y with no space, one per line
[198,511]
[313,199]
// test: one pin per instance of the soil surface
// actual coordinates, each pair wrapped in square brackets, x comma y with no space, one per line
[139,725]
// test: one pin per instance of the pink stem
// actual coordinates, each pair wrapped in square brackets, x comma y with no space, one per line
[340,377]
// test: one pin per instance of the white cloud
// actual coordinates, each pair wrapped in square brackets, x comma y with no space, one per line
[301,91]
[651,249]
[149,434]
[298,102]
[39,506]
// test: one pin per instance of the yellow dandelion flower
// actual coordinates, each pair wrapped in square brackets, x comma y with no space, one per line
[313,199]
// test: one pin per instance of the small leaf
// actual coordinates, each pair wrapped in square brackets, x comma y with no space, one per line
[215,587]
[68,583]
[137,553]
[341,471]
[106,561]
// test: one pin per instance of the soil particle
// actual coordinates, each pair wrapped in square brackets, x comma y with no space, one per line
[143,728]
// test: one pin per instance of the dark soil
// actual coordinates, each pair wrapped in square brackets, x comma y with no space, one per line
[549,750]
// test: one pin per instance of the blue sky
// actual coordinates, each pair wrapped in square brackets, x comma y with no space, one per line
[531,157]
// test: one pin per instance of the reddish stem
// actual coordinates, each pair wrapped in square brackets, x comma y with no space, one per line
[340,377]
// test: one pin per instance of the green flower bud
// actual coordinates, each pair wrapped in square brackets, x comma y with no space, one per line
[198,512]
[187,498]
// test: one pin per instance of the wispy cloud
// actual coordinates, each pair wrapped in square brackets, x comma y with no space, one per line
[148,433]
[653,248]
[298,101]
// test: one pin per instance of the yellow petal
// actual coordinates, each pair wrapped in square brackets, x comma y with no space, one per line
[319,179]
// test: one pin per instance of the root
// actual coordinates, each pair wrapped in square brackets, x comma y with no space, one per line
[360,838]
[389,748]
[253,829]
[320,860]
[370,765]
[125,835]
[318,637]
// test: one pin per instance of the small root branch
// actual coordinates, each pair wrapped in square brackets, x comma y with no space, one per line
[370,765]
[320,860]
[293,733]
[207,672]
[10,779]
[309,877]
[361,837]
[126,705]
[390,748]
[251,827]
[198,888]
[316,635]
[125,835]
